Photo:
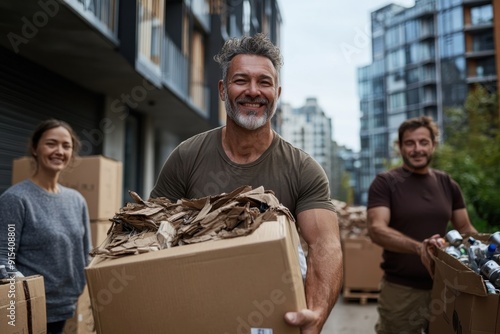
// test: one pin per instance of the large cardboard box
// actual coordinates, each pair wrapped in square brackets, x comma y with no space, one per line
[362,259]
[460,302]
[22,306]
[239,285]
[97,178]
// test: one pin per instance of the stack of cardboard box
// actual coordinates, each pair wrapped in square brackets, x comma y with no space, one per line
[362,258]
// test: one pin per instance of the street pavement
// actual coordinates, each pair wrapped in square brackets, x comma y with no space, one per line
[351,317]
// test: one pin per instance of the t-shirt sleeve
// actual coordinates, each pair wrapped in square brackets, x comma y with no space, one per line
[379,193]
[457,196]
[170,182]
[315,188]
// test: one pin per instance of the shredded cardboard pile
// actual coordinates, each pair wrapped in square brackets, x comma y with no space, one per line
[158,223]
[352,220]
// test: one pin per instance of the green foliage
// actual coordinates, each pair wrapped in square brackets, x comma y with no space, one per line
[471,155]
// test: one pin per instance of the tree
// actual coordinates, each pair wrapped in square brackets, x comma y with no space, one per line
[470,153]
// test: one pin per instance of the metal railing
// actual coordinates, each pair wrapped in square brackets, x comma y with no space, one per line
[174,68]
[102,13]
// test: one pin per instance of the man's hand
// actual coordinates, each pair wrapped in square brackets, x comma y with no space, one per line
[307,320]
[428,251]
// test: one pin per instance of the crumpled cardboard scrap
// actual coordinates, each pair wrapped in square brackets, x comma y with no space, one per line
[158,223]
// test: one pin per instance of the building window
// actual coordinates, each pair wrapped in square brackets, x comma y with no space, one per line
[450,21]
[483,42]
[452,45]
[378,47]
[411,30]
[485,67]
[397,101]
[396,59]
[481,15]
[413,96]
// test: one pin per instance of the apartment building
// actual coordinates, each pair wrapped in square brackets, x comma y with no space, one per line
[424,59]
[309,129]
[134,78]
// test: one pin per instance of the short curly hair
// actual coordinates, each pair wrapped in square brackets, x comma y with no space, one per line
[259,45]
[418,122]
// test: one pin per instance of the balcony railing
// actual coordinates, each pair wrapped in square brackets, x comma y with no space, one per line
[174,67]
[103,14]
[201,9]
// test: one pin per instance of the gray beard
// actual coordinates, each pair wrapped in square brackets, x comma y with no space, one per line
[249,122]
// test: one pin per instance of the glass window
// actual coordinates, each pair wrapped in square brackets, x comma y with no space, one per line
[378,47]
[394,36]
[411,30]
[450,20]
[482,14]
[378,86]
[396,59]
[483,41]
[444,4]
[397,100]
[379,143]
[413,96]
[427,28]
[412,75]
[378,114]
[364,89]
[485,67]
[452,45]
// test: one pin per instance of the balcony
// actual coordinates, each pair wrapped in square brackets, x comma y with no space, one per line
[479,54]
[475,2]
[74,38]
[478,27]
[102,14]
[482,79]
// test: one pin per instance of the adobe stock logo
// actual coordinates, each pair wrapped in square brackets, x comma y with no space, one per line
[30,28]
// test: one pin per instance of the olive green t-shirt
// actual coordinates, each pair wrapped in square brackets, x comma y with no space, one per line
[199,167]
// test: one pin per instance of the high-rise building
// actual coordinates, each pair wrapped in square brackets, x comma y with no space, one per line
[424,59]
[310,129]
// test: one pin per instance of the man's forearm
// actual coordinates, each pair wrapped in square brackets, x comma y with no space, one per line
[324,277]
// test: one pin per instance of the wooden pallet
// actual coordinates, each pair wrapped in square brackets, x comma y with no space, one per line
[359,294]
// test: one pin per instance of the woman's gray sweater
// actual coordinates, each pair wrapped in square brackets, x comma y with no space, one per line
[52,238]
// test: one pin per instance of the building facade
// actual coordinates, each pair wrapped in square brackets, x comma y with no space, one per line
[309,129]
[134,78]
[425,59]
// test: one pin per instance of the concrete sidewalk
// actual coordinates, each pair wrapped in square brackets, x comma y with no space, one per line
[352,317]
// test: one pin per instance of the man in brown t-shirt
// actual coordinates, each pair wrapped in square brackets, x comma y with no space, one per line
[409,208]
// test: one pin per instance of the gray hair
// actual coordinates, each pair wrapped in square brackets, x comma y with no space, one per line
[259,45]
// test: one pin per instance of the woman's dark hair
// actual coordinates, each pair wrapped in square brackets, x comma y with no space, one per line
[51,124]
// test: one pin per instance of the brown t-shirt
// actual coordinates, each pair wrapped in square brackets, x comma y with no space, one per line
[199,167]
[421,205]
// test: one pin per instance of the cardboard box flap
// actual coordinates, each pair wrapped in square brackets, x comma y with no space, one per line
[459,276]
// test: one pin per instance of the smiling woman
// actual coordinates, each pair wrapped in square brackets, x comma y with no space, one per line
[51,224]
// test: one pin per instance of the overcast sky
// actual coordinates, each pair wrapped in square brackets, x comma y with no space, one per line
[323,42]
